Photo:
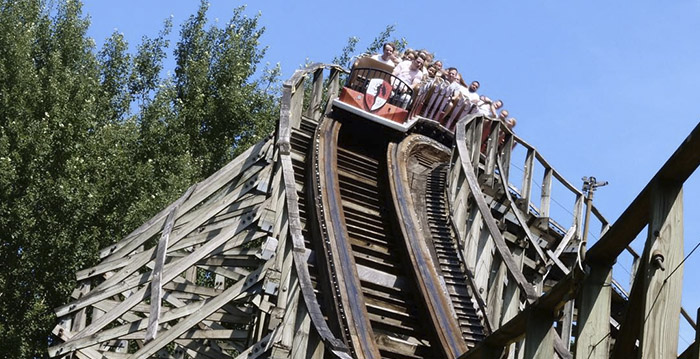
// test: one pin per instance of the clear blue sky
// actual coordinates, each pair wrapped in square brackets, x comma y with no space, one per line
[601,88]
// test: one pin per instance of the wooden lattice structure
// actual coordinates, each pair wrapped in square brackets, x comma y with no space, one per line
[338,238]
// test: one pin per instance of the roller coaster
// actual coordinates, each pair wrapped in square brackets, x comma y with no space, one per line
[375,224]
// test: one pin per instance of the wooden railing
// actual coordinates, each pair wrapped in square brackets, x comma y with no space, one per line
[480,165]
[650,326]
[290,118]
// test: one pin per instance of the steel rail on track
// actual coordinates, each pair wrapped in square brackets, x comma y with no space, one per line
[346,281]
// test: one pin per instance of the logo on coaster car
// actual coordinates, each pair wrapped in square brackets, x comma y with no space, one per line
[378,91]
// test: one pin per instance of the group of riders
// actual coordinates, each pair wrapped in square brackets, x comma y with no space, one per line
[418,67]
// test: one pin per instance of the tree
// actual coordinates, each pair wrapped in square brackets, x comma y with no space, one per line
[47,73]
[93,143]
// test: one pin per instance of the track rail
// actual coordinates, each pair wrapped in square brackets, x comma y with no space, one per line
[422,263]
[382,311]
[423,164]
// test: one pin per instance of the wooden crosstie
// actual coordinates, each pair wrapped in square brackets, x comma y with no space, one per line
[337,238]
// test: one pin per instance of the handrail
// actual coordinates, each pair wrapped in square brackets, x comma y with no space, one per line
[464,154]
[292,103]
[467,168]
[676,170]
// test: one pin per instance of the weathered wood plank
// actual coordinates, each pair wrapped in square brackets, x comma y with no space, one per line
[546,193]
[490,222]
[209,307]
[314,107]
[138,260]
[157,276]
[540,336]
[526,188]
[663,274]
[594,313]
[521,218]
[170,272]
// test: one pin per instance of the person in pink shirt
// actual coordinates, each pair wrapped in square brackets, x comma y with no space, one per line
[411,72]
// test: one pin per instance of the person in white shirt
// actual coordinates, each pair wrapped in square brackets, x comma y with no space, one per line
[388,57]
[471,94]
[453,79]
[487,107]
[410,72]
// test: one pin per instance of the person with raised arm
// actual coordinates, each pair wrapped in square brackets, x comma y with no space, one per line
[487,107]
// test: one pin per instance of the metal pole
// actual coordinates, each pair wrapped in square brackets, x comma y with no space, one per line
[590,184]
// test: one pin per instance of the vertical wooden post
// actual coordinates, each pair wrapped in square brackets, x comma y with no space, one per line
[491,153]
[507,151]
[593,340]
[526,189]
[511,299]
[567,323]
[478,126]
[539,340]
[333,87]
[495,292]
[314,108]
[663,276]
[546,192]
[696,352]
[296,104]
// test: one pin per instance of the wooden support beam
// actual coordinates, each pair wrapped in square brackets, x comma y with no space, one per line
[333,87]
[494,298]
[507,151]
[521,218]
[663,273]
[211,305]
[696,352]
[676,170]
[593,340]
[156,281]
[490,222]
[546,193]
[567,319]
[526,188]
[491,152]
[204,189]
[314,108]
[476,138]
[539,343]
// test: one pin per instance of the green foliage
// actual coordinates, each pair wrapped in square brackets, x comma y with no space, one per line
[93,143]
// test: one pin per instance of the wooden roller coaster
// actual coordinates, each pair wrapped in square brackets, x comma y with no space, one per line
[376,224]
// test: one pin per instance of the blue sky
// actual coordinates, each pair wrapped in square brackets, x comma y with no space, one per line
[608,89]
